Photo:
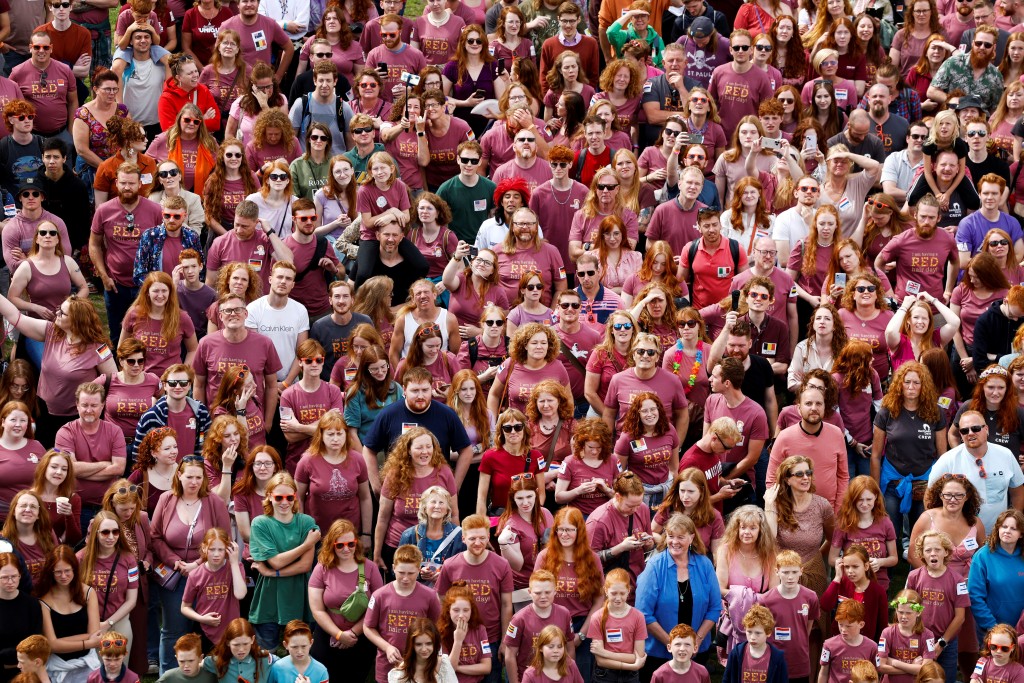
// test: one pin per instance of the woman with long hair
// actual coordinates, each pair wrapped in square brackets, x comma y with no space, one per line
[700,114]
[260,92]
[867,36]
[111,568]
[656,267]
[226,72]
[27,528]
[747,214]
[566,128]
[654,310]
[637,196]
[552,428]
[423,661]
[1012,66]
[230,182]
[690,495]
[934,53]
[463,631]
[788,56]
[758,16]
[852,61]
[368,87]
[910,42]
[823,109]
[372,389]
[156,461]
[512,37]
[649,446]
[156,319]
[622,86]
[826,338]
[250,488]
[227,440]
[616,259]
[501,465]
[521,527]
[18,383]
[216,585]
[336,200]
[764,44]
[994,583]
[533,357]
[239,655]
[414,464]
[346,52]
[1008,114]
[911,331]
[896,451]
[862,519]
[747,554]
[792,107]
[275,196]
[653,161]
[825,65]
[998,243]
[866,316]
[71,608]
[566,75]
[425,352]
[168,184]
[54,485]
[996,399]
[604,199]
[467,398]
[341,570]
[310,171]
[472,288]
[881,220]
[983,283]
[469,77]
[860,390]
[609,358]
[809,259]
[484,353]
[19,452]
[360,338]
[273,139]
[688,358]
[239,279]
[847,261]
[197,39]
[189,145]
[585,478]
[730,166]
[308,399]
[431,235]
[382,196]
[129,138]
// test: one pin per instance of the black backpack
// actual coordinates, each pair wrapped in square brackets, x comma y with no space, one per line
[734,250]
[307,117]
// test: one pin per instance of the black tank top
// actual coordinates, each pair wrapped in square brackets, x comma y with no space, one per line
[65,625]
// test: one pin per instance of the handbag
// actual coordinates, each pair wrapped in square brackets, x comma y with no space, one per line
[355,605]
[166,577]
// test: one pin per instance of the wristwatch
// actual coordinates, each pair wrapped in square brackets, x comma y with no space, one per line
[941,642]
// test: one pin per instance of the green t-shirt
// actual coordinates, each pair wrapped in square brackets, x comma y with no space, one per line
[470,206]
[175,676]
[278,600]
[309,176]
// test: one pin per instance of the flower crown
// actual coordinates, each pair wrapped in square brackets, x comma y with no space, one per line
[994,370]
[902,600]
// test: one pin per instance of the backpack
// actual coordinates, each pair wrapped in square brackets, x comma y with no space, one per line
[734,251]
[577,171]
[307,117]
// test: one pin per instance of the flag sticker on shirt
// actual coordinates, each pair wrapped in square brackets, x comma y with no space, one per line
[930,644]
[479,204]
[259,40]
[485,646]
[723,271]
[638,445]
[104,352]
[945,402]
[512,631]
[256,264]
[350,374]
[133,573]
[370,604]
[406,426]
[963,246]
[881,644]
[769,349]
[961,588]
[555,467]
[541,463]
[783,634]
[915,643]
[561,272]
[979,667]
[825,655]
[792,292]
[913,287]
[613,635]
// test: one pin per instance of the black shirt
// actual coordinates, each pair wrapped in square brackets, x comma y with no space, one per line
[758,379]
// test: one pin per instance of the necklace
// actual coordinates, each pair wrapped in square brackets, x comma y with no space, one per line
[554,195]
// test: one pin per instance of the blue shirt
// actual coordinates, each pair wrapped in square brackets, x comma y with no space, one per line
[284,671]
[973,228]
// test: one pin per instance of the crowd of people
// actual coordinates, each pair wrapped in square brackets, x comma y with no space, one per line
[607,341]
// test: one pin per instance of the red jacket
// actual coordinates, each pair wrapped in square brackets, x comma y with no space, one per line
[174,98]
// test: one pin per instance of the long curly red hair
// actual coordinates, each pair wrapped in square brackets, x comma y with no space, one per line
[1006,414]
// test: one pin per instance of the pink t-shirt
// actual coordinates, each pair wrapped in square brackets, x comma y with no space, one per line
[921,261]
[971,308]
[572,675]
[333,489]
[839,656]
[311,291]
[674,224]
[185,423]
[404,150]
[489,581]
[255,251]
[9,91]
[524,379]
[338,586]
[438,251]
[856,408]
[811,283]
[475,647]
[126,403]
[406,60]
[696,674]
[785,290]
[348,61]
[308,408]
[375,201]
[872,332]
[874,538]
[793,619]
[580,343]
[443,164]
[625,385]
[545,259]
[750,420]
[48,90]
[465,303]
[121,231]
[391,614]
[207,591]
[991,672]
[576,472]
[893,644]
[619,633]
[536,175]
[103,446]
[940,597]
[216,354]
[407,503]
[649,456]
[584,228]
[121,579]
[528,543]
[555,210]
[738,95]
[567,590]
[258,38]
[437,43]
[17,470]
[161,353]
[526,625]
[607,527]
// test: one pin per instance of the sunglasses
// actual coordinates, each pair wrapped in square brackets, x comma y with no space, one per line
[47,233]
[763,48]
[531,139]
[976,133]
[278,176]
[134,361]
[188,120]
[322,55]
[42,48]
[802,474]
[344,545]
[865,288]
[287,497]
[177,382]
[918,136]
[316,360]
[981,468]
[690,323]
[998,243]
[367,86]
[509,428]
[574,306]
[359,131]
[964,431]
[586,273]
[109,532]
[173,216]
[494,323]
[60,5]
[34,194]
[304,219]
[1000,648]
[650,353]
[696,157]
[622,326]
[984,44]
[427,331]
[740,48]
[607,188]
[698,99]
[108,643]
[533,288]
[324,138]
[232,155]
[26,117]
[953,497]
[758,295]
[125,490]
[525,476]
[472,161]
[559,164]
[388,34]
[474,41]
[808,189]
[786,100]
[173,172]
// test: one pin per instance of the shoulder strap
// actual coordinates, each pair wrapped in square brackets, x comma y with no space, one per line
[318,253]
[361,586]
[305,113]
[691,254]
[446,542]
[734,250]
[473,346]
[106,392]
[554,440]
[571,357]
[339,116]
[110,581]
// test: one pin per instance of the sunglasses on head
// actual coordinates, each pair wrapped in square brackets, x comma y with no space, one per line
[509,428]
[108,643]
[125,490]
[525,476]
[286,497]
[173,172]
[192,459]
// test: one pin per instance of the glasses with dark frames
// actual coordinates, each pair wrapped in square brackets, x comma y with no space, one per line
[567,306]
[650,353]
[177,382]
[284,497]
[173,172]
[509,428]
[964,431]
[134,362]
[861,289]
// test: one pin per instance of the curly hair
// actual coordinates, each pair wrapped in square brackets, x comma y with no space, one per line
[589,580]
[566,404]
[459,590]
[669,318]
[854,364]
[274,118]
[398,471]
[634,426]
[702,513]
[144,457]
[636,79]
[928,403]
[851,290]
[592,429]
[972,503]
[328,557]
[796,58]
[522,336]
[213,445]
[765,545]
[213,192]
[252,292]
[839,336]
[122,131]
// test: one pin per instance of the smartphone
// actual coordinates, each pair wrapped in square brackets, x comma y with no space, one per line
[382,67]
[735,300]
[695,139]
[501,65]
[771,143]
[841,279]
[479,93]
[811,140]
[474,252]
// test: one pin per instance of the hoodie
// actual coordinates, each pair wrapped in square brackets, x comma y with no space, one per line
[993,333]
[995,585]
[174,98]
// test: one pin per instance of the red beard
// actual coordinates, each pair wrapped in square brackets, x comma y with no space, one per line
[979,61]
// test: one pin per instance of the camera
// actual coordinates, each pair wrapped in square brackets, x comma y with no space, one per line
[410,79]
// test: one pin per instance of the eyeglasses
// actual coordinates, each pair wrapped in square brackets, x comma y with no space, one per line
[323,138]
[567,306]
[359,131]
[173,216]
[125,490]
[47,233]
[432,105]
[34,194]
[802,474]
[494,323]
[622,326]
[559,164]
[316,360]
[953,497]
[808,189]
[998,243]
[983,44]
[344,545]
[278,176]
[108,643]
[134,361]
[188,120]
[389,34]
[607,188]
[534,288]
[262,464]
[25,117]
[509,428]
[976,133]
[173,172]
[523,224]
[109,532]
[11,579]
[586,273]
[689,323]
[964,431]
[232,155]
[1000,648]
[763,48]
[650,353]
[304,219]
[759,295]
[981,468]
[483,262]
[177,382]
[767,252]
[861,289]
[286,497]
[470,161]
[740,48]
[237,310]
[192,459]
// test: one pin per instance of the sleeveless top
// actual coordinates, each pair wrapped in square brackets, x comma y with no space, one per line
[99,144]
[410,329]
[960,560]
[49,291]
[65,625]
[738,578]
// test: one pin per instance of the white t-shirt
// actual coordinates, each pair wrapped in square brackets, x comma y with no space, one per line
[1002,473]
[282,327]
[790,226]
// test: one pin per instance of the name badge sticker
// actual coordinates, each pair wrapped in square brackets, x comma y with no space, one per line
[613,635]
[783,635]
[406,426]
[638,445]
[723,271]
[971,543]
[961,588]
[479,204]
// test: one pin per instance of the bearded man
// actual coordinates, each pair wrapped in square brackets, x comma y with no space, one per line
[973,72]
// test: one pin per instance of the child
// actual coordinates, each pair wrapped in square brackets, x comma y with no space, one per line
[618,633]
[944,137]
[551,662]
[381,193]
[944,596]
[862,519]
[682,643]
[999,657]
[528,622]
[795,608]
[463,635]
[213,589]
[32,654]
[238,656]
[298,665]
[905,645]
[393,607]
[855,580]
[930,672]
[112,651]
[756,660]
[188,651]
[863,671]
[841,651]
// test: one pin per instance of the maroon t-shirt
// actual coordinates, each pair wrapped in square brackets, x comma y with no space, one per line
[708,463]
[524,379]
[375,201]
[905,648]
[207,591]
[738,95]
[525,627]
[391,614]
[872,332]
[793,619]
[333,489]
[696,674]
[625,385]
[216,354]
[580,344]
[489,581]
[920,263]
[443,162]
[750,420]
[576,472]
[161,353]
[567,590]
[839,656]
[407,503]
[940,596]
[874,538]
[648,456]
[437,43]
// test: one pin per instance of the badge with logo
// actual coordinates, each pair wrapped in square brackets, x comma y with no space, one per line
[613,635]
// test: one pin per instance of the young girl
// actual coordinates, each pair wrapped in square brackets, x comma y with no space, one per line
[944,136]
[423,661]
[618,634]
[756,659]
[463,632]
[1000,657]
[527,308]
[237,656]
[213,590]
[930,673]
[112,651]
[381,193]
[681,668]
[855,581]
[945,596]
[905,645]
[862,519]
[298,665]
[551,662]
[521,527]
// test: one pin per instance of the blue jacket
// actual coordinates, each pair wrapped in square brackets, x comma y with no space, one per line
[657,596]
[996,587]
[417,536]
[778,672]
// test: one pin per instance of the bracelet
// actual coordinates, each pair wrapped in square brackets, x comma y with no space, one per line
[277,572]
[338,637]
[365,533]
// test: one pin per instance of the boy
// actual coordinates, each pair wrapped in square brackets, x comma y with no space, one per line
[194,295]
[863,672]
[188,651]
[840,652]
[795,608]
[682,643]
[298,665]
[112,651]
[393,607]
[32,654]
[526,625]
[756,660]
